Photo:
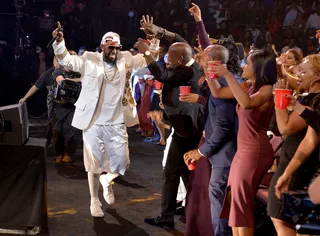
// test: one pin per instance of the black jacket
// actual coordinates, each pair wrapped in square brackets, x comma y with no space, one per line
[186,118]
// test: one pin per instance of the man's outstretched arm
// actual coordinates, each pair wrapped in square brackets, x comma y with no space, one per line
[152,30]
[71,62]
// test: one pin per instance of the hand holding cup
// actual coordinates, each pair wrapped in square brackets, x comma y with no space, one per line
[185,90]
[216,69]
[190,98]
[281,89]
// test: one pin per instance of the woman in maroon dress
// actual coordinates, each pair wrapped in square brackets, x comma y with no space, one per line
[145,121]
[255,154]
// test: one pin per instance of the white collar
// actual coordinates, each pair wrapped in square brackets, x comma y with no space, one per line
[190,62]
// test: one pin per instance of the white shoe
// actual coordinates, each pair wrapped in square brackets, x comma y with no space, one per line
[95,209]
[108,193]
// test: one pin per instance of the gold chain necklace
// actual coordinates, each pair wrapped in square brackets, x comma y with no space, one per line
[106,74]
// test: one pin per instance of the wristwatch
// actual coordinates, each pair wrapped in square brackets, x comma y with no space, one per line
[147,53]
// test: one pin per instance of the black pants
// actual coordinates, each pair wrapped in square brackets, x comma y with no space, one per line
[66,136]
[174,169]
[50,131]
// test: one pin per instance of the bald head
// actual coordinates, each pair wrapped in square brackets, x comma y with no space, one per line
[217,52]
[179,54]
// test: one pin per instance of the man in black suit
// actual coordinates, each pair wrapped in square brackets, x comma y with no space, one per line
[186,119]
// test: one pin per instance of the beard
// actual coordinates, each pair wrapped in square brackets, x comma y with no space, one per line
[111,58]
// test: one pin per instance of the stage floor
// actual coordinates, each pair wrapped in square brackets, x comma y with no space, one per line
[138,194]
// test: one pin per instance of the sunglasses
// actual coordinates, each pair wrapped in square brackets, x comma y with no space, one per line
[114,47]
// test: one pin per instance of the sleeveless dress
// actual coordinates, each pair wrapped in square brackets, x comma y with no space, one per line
[253,159]
[302,178]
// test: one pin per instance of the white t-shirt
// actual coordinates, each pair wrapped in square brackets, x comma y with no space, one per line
[109,110]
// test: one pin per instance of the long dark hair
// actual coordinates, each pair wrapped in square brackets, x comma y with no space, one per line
[265,68]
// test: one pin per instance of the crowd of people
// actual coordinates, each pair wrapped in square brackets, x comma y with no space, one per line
[219,130]
[230,171]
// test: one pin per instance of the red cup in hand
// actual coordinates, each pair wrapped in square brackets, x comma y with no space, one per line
[158,85]
[282,102]
[192,166]
[185,90]
[211,64]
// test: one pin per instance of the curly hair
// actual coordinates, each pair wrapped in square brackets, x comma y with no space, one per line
[233,63]
[314,60]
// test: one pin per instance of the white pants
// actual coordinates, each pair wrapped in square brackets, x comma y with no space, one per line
[105,149]
[182,192]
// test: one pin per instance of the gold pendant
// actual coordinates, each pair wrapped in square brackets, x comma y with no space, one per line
[131,101]
[124,102]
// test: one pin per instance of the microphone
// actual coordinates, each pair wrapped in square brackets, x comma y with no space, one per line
[54,38]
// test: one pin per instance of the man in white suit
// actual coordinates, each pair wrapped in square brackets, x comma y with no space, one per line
[104,108]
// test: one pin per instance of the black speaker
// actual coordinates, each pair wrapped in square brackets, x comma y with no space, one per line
[14,124]
[23,198]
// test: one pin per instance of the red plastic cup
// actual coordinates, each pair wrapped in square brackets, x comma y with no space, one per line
[158,85]
[192,166]
[211,64]
[281,101]
[185,90]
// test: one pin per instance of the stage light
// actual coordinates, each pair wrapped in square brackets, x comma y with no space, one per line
[131,14]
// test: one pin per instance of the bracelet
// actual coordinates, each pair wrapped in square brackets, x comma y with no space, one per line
[163,32]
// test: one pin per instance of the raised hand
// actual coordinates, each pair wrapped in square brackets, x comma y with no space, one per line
[57,33]
[142,46]
[195,12]
[220,70]
[252,47]
[201,58]
[281,60]
[151,30]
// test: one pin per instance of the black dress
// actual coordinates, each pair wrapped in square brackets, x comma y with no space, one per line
[313,119]
[301,179]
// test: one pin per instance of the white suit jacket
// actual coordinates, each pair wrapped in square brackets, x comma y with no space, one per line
[91,67]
